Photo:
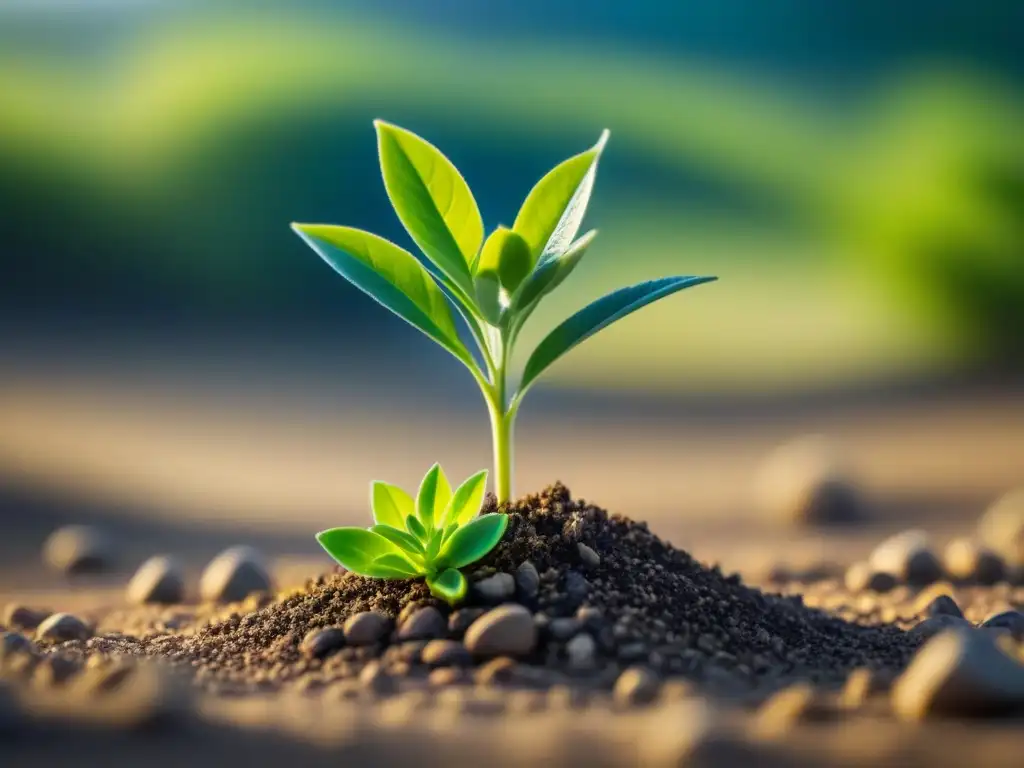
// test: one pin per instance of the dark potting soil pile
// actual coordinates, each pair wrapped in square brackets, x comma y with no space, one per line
[604,592]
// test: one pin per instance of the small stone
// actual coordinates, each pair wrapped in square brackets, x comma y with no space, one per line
[944,605]
[495,589]
[959,673]
[446,653]
[1009,621]
[12,644]
[576,587]
[527,580]
[967,560]
[423,624]
[104,677]
[504,631]
[589,557]
[782,711]
[563,629]
[861,577]
[22,617]
[805,482]
[935,625]
[233,574]
[582,652]
[160,579]
[443,677]
[859,686]
[366,628]
[460,620]
[636,686]
[61,627]
[908,557]
[319,643]
[499,671]
[374,678]
[78,549]
[1002,527]
[54,671]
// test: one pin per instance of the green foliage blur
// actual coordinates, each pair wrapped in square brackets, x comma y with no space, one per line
[152,161]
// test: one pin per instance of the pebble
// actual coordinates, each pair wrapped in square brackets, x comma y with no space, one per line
[160,579]
[499,671]
[460,620]
[576,587]
[12,643]
[1010,621]
[527,580]
[563,629]
[446,653]
[319,643]
[935,625]
[442,677]
[959,673]
[783,710]
[505,630]
[234,574]
[944,605]
[366,628]
[374,678]
[423,624]
[1002,527]
[22,617]
[859,686]
[908,557]
[636,686]
[966,560]
[78,549]
[581,652]
[588,556]
[61,627]
[861,577]
[54,671]
[495,589]
[804,482]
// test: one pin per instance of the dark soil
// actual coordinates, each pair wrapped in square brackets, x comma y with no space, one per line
[645,602]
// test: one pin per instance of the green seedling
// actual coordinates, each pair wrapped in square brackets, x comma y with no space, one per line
[431,536]
[494,285]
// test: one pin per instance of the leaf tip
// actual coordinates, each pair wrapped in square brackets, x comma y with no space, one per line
[602,140]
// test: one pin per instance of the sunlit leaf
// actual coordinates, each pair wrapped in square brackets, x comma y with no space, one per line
[473,540]
[449,585]
[390,275]
[432,200]
[596,316]
[390,504]
[434,495]
[415,527]
[487,291]
[508,254]
[549,276]
[466,501]
[435,544]
[355,548]
[552,213]
[399,537]
[397,563]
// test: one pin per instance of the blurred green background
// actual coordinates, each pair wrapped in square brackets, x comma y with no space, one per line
[853,171]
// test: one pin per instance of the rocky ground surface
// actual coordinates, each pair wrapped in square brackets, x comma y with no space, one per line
[585,639]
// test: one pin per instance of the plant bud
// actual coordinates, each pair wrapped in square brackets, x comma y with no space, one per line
[507,254]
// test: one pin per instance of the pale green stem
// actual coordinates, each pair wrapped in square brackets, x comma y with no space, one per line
[502,421]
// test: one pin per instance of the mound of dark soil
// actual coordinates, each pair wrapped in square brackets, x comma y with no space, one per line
[632,597]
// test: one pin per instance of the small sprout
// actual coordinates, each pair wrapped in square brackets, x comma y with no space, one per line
[433,535]
[494,285]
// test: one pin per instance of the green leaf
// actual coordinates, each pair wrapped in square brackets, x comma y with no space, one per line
[433,496]
[473,540]
[400,538]
[452,528]
[375,571]
[449,585]
[487,290]
[435,544]
[596,316]
[553,211]
[549,276]
[508,254]
[415,527]
[390,504]
[432,201]
[466,501]
[355,548]
[390,275]
[397,563]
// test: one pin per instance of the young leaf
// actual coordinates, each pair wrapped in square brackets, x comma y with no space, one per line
[452,528]
[449,585]
[549,276]
[506,253]
[405,541]
[553,211]
[415,527]
[433,496]
[596,316]
[432,200]
[355,548]
[398,563]
[472,541]
[390,504]
[466,501]
[390,275]
[487,291]
[435,544]
[376,571]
